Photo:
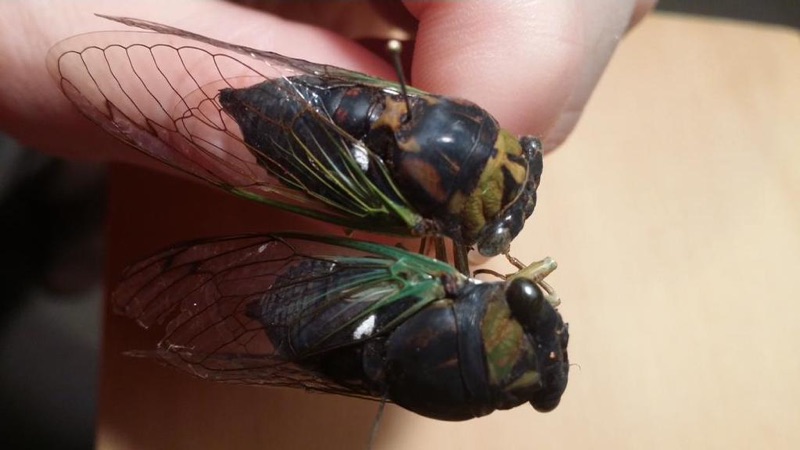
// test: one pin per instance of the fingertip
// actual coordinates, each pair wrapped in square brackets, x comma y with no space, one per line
[640,10]
[517,59]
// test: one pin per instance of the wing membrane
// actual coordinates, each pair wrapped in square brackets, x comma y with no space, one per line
[159,91]
[253,309]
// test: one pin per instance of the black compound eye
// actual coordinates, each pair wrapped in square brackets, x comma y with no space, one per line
[530,144]
[555,383]
[533,148]
[525,299]
[496,242]
[546,405]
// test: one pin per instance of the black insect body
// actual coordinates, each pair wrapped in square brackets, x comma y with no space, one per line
[449,162]
[329,143]
[354,318]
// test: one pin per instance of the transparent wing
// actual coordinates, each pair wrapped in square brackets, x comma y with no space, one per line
[159,91]
[260,309]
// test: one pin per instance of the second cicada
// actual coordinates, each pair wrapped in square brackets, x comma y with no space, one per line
[353,318]
[318,140]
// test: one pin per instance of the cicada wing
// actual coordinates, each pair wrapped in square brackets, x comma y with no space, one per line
[159,92]
[237,368]
[258,309]
[291,65]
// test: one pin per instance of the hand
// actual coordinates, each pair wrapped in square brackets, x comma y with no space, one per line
[531,64]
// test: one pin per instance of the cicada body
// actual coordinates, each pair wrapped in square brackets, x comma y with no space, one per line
[447,160]
[354,318]
[329,143]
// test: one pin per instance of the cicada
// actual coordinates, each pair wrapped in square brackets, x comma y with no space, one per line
[318,140]
[351,317]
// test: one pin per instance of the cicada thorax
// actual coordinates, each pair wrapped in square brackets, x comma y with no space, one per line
[454,163]
[437,361]
[447,159]
[466,357]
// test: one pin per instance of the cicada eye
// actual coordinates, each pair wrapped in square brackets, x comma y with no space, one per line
[525,299]
[531,145]
[555,383]
[533,148]
[546,404]
[496,242]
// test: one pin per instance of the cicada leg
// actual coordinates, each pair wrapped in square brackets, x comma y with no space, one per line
[489,272]
[373,434]
[440,248]
[433,247]
[460,260]
[550,294]
[423,246]
[537,272]
[514,261]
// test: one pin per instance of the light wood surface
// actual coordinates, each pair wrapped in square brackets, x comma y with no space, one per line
[673,212]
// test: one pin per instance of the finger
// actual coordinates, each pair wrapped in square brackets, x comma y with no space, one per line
[528,63]
[517,59]
[604,23]
[641,9]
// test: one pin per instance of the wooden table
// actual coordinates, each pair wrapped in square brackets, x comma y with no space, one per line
[673,212]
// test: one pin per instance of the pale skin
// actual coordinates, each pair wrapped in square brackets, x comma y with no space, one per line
[532,64]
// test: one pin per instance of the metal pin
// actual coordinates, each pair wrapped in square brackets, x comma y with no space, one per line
[395,48]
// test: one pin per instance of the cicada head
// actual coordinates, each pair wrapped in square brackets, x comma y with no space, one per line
[495,238]
[525,343]
[549,334]
[493,346]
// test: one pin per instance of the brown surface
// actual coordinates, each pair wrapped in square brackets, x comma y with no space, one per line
[673,214]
